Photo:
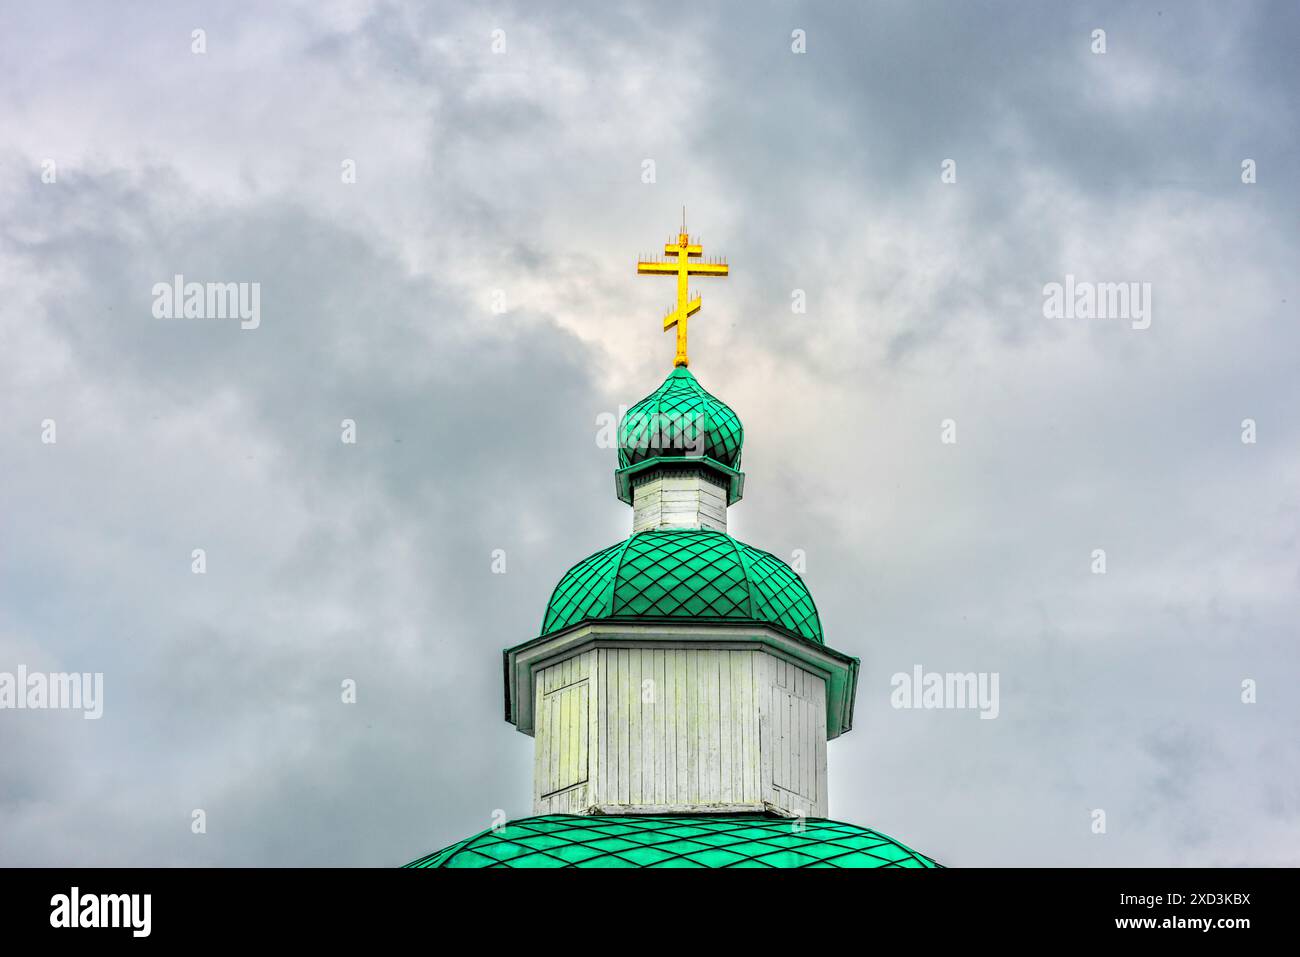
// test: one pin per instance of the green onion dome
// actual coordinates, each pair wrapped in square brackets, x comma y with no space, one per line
[680,418]
[696,574]
[683,840]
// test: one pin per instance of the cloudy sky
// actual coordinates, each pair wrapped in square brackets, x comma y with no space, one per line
[517,177]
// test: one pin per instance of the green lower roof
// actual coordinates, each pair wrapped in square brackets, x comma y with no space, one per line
[682,840]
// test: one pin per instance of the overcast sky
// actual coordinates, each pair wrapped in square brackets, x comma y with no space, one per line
[517,177]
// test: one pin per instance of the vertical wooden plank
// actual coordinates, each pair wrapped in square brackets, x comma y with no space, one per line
[559,736]
[734,786]
[543,726]
[634,726]
[581,748]
[692,726]
[805,741]
[540,744]
[562,702]
[612,758]
[670,725]
[778,734]
[572,693]
[816,731]
[763,697]
[753,785]
[724,724]
[792,732]
[783,705]
[720,736]
[548,713]
[796,732]
[778,724]
[578,759]
[740,689]
[648,710]
[568,698]
[807,744]
[661,750]
[552,727]
[605,727]
[553,736]
[753,759]
[823,796]
[755,751]
[681,793]
[593,726]
[707,691]
[624,757]
[736,661]
[807,750]
[714,730]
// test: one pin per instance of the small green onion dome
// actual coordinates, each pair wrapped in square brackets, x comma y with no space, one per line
[680,418]
[684,573]
[680,840]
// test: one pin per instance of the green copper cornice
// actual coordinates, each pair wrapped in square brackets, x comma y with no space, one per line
[733,481]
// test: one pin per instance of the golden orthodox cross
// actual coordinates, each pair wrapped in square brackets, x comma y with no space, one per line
[677,262]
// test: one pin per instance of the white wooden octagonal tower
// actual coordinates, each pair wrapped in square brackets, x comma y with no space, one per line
[680,671]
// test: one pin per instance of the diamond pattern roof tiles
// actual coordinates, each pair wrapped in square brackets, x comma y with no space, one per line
[735,840]
[698,574]
[680,418]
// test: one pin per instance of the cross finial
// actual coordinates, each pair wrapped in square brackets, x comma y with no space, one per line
[678,263]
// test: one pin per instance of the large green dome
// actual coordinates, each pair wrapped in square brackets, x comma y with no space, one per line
[680,418]
[697,840]
[688,573]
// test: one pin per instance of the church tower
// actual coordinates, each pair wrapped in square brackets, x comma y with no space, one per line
[680,693]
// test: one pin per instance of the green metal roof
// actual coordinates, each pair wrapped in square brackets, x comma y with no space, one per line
[684,840]
[687,573]
[680,418]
